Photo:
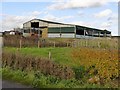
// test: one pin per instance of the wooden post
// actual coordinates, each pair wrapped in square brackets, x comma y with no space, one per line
[49,55]
[91,43]
[38,43]
[81,43]
[78,44]
[54,44]
[86,43]
[98,44]
[20,43]
[67,44]
[72,44]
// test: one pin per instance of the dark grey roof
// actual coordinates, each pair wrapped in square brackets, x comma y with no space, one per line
[49,22]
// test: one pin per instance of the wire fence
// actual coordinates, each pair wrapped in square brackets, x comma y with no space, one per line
[21,42]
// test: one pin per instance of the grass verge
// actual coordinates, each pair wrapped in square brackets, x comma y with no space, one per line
[38,80]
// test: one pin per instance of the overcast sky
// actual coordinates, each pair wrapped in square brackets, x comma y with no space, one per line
[101,14]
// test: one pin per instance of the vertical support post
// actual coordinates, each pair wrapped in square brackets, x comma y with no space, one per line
[110,35]
[92,32]
[84,33]
[75,30]
[60,31]
[99,34]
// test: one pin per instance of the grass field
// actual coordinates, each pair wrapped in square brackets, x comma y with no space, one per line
[59,55]
[100,64]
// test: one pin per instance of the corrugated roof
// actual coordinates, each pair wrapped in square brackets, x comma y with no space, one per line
[67,24]
[48,22]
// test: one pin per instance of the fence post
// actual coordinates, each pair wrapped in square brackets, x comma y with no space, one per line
[77,43]
[67,44]
[54,44]
[20,43]
[49,55]
[86,43]
[38,43]
[98,44]
[72,44]
[81,43]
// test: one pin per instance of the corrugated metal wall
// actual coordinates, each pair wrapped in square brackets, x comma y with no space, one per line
[53,35]
[64,32]
[61,30]
[63,35]
[67,35]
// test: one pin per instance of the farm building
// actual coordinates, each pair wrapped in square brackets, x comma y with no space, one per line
[51,29]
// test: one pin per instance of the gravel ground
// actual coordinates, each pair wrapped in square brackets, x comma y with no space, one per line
[10,84]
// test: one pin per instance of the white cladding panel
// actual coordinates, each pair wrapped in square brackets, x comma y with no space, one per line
[68,35]
[82,36]
[108,34]
[95,34]
[62,35]
[51,35]
[59,25]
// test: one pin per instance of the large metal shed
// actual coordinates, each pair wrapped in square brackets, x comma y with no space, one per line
[44,29]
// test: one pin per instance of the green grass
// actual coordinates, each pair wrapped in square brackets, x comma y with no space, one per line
[38,80]
[59,55]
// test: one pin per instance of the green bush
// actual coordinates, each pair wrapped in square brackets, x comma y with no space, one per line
[79,72]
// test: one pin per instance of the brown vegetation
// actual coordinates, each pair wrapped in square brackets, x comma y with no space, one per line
[102,63]
[14,41]
[27,63]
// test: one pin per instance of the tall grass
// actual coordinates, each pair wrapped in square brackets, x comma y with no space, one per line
[28,63]
[14,41]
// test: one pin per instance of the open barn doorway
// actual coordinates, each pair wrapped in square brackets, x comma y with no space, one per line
[35,24]
[39,30]
[80,32]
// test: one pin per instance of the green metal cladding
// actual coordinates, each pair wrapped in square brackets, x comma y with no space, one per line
[61,29]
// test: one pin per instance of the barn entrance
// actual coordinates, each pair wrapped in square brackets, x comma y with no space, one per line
[40,31]
[44,33]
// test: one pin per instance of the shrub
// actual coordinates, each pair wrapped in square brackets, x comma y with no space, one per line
[103,61]
[79,72]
